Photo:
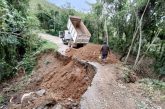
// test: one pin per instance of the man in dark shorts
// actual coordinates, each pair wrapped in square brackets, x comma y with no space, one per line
[104,52]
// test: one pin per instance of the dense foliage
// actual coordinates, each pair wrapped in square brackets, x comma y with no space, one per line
[135,27]
[52,18]
[16,35]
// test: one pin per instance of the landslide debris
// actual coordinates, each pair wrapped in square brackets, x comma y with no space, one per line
[63,80]
[90,52]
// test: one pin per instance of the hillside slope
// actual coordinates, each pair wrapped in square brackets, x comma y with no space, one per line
[44,3]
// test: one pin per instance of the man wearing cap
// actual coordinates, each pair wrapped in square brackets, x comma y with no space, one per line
[104,52]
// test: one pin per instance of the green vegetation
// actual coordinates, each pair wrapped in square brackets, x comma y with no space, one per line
[16,37]
[34,5]
[18,43]
[29,60]
[155,84]
[132,28]
[52,18]
[153,88]
[48,45]
[1,100]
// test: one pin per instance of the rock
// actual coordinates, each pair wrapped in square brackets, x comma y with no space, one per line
[41,107]
[162,77]
[41,92]
[21,71]
[14,106]
[132,77]
[47,104]
[58,106]
[27,97]
[16,99]
[72,104]
[4,107]
[121,86]
[70,99]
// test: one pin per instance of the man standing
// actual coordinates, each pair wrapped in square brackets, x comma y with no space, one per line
[104,52]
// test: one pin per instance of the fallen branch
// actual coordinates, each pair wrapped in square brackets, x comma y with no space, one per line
[10,33]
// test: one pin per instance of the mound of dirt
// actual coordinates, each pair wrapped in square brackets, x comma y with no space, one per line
[63,78]
[69,81]
[90,52]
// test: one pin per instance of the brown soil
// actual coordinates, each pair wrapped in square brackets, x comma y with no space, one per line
[90,52]
[63,78]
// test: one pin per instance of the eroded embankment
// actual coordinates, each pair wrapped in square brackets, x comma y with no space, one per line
[64,80]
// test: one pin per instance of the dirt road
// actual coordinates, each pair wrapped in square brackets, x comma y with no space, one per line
[106,90]
[55,40]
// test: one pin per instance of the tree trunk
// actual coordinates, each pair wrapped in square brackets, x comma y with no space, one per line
[124,52]
[54,23]
[106,31]
[98,35]
[140,43]
[148,48]
[161,47]
[129,51]
[134,36]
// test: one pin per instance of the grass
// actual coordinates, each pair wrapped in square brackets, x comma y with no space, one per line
[142,105]
[48,45]
[28,63]
[155,89]
[1,100]
[29,60]
[155,84]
